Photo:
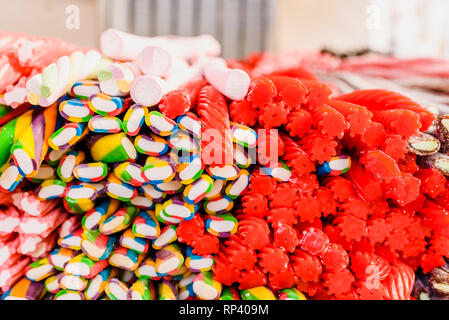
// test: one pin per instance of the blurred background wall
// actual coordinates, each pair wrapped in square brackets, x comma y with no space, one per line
[402,27]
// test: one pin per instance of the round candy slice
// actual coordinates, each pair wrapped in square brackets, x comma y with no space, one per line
[80,198]
[151,145]
[234,189]
[196,191]
[219,205]
[117,189]
[159,169]
[257,293]
[181,140]
[142,202]
[119,221]
[189,168]
[75,110]
[142,289]
[171,187]
[147,270]
[85,89]
[68,163]
[71,282]
[106,105]
[116,289]
[217,189]
[205,287]
[50,189]
[67,136]
[131,241]
[131,173]
[91,172]
[69,295]
[97,284]
[335,166]
[45,172]
[243,157]
[177,208]
[243,135]
[160,124]
[134,119]
[279,171]
[125,258]
[168,260]
[222,225]
[152,193]
[224,172]
[145,225]
[197,263]
[167,236]
[190,123]
[105,124]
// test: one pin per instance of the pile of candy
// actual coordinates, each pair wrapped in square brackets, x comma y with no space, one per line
[165,172]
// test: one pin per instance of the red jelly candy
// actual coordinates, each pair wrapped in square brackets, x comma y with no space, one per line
[273,115]
[308,209]
[254,205]
[262,184]
[368,266]
[318,146]
[240,256]
[299,122]
[329,121]
[367,186]
[380,165]
[440,245]
[403,188]
[283,196]
[304,184]
[282,215]
[261,91]
[378,230]
[272,259]
[285,237]
[326,201]
[433,183]
[341,188]
[314,241]
[254,233]
[298,160]
[358,117]
[290,90]
[366,290]
[395,146]
[207,244]
[190,230]
[307,267]
[374,136]
[243,112]
[224,272]
[357,208]
[252,278]
[318,94]
[335,258]
[403,122]
[338,282]
[431,260]
[351,227]
[282,279]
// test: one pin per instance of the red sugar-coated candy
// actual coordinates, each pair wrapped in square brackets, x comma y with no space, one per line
[418,230]
[224,272]
[357,208]
[261,91]
[304,184]
[329,121]
[399,283]
[338,282]
[335,258]
[368,291]
[443,198]
[431,260]
[414,248]
[314,241]
[379,208]
[440,245]
[262,184]
[358,117]
[298,160]
[270,146]
[326,201]
[433,183]
[378,230]
[374,136]
[285,237]
[282,215]
[308,208]
[403,122]
[318,146]
[254,205]
[369,266]
[273,115]
[395,146]
[243,112]
[351,227]
[367,186]
[282,279]
[290,90]
[298,123]
[408,163]
[207,244]
[435,217]
[299,72]
[380,165]
[403,188]
[398,219]
[190,230]
[252,278]
[272,259]
[307,267]
[318,94]
[283,196]
[240,256]
[254,233]
[341,188]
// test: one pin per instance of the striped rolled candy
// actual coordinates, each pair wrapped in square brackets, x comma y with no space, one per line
[190,123]
[151,145]
[159,169]
[69,295]
[243,157]
[160,124]
[142,289]
[60,256]
[197,263]
[234,189]
[72,282]
[12,270]
[145,225]
[243,135]
[168,260]
[134,119]
[51,284]
[257,293]
[31,205]
[147,270]
[335,166]
[229,293]
[85,89]
[96,216]
[10,133]
[131,173]
[10,177]
[40,270]
[224,172]
[291,294]
[68,163]
[80,198]
[106,105]
[163,217]
[119,221]
[131,241]
[45,172]
[222,225]
[85,267]
[196,191]
[119,190]
[167,290]
[54,156]
[125,258]
[189,168]
[279,171]
[29,150]
[95,287]
[25,289]
[98,246]
[104,124]
[111,148]
[51,189]
[42,225]
[176,207]
[205,287]
[152,193]
[181,140]
[67,136]
[219,205]
[116,289]
[142,202]
[91,172]
[75,110]
[72,241]
[168,235]
[217,190]
[171,187]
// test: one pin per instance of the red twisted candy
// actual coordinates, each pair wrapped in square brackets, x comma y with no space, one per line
[297,72]
[243,112]
[403,122]
[306,267]
[368,187]
[318,93]
[314,241]
[273,114]
[285,237]
[369,266]
[380,165]
[261,91]
[272,259]
[298,123]
[240,256]
[282,279]
[223,271]
[290,90]
[254,205]
[282,215]
[335,258]
[318,146]
[253,232]
[433,183]
[298,160]
[206,244]
[190,230]
[338,282]
[329,121]
[252,278]
[358,117]
[284,196]
[399,283]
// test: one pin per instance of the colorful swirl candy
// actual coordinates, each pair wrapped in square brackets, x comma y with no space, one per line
[189,168]
[72,282]
[171,187]
[97,284]
[205,287]
[50,189]
[96,216]
[10,177]
[160,124]
[117,189]
[10,133]
[72,241]
[177,208]
[69,295]
[142,289]
[52,283]
[91,172]
[68,163]
[190,123]
[147,270]
[60,256]
[152,193]
[217,189]
[196,191]
[278,171]
[142,202]
[197,263]
[111,148]
[75,110]
[125,258]
[98,246]
[130,173]
[334,167]
[238,186]
[291,294]
[105,124]
[151,145]
[134,119]
[80,198]
[219,205]
[167,236]
[167,290]
[222,225]
[168,260]
[40,270]
[258,293]
[25,289]
[160,169]
[229,293]
[85,89]
[146,225]
[116,289]
[68,136]
[224,172]
[131,241]
[243,135]
[85,267]
[106,105]
[119,221]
